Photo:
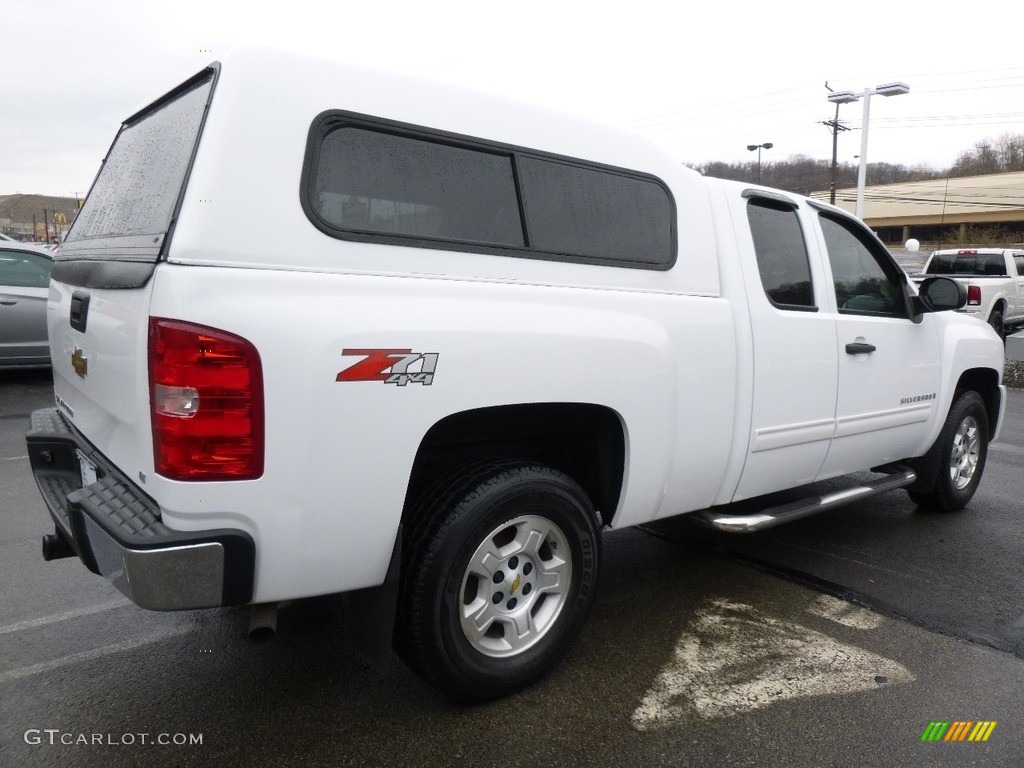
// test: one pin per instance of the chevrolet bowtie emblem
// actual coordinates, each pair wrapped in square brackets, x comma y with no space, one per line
[79,362]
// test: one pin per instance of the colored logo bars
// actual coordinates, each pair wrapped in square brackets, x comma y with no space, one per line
[958,730]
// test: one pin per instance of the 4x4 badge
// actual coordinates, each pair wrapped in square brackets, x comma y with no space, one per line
[392,366]
[80,362]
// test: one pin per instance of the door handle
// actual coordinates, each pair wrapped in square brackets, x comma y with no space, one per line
[8,303]
[859,348]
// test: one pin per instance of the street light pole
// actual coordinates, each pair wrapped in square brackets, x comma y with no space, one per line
[862,169]
[848,97]
[759,147]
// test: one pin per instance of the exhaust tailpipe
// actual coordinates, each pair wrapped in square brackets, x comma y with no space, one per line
[263,622]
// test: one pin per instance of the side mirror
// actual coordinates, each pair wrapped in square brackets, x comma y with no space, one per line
[938,294]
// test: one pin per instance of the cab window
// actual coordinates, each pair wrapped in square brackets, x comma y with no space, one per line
[866,281]
[24,270]
[781,254]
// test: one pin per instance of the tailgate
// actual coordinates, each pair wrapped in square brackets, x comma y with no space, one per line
[100,366]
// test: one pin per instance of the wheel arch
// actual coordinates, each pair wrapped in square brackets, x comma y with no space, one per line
[586,442]
[984,381]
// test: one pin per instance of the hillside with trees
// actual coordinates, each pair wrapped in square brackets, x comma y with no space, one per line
[804,174]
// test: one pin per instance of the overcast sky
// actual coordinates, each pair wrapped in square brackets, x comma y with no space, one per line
[703,79]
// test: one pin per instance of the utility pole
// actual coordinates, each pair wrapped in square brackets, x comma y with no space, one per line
[836,127]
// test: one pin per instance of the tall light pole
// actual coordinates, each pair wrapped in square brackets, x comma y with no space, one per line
[848,97]
[759,147]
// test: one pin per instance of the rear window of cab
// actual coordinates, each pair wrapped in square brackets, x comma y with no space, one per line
[968,263]
[373,180]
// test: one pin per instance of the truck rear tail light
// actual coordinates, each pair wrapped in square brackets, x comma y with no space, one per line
[974,295]
[206,397]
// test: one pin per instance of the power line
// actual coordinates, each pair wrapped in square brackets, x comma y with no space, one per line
[742,107]
[696,120]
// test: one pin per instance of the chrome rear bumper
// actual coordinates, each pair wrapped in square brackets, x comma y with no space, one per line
[117,532]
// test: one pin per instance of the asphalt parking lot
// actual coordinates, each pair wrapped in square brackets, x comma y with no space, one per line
[835,641]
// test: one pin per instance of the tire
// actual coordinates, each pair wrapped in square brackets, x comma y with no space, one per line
[963,450]
[996,321]
[499,576]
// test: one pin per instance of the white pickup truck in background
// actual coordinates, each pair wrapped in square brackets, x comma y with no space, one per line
[993,278]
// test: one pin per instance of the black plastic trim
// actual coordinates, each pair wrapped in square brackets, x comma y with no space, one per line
[52,444]
[97,273]
[793,307]
[332,119]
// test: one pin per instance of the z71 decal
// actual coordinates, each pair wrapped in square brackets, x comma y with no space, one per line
[392,366]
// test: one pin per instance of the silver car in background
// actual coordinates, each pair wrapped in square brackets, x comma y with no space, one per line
[24,285]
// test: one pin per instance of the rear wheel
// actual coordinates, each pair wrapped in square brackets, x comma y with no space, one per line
[498,579]
[963,449]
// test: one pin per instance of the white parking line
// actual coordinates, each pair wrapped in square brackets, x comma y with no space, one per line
[842,612]
[73,614]
[734,659]
[95,653]
[13,458]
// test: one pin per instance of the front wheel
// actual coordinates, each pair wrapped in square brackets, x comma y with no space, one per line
[499,576]
[963,446]
[996,321]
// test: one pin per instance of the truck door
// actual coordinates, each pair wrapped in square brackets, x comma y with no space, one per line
[888,364]
[24,277]
[1016,313]
[795,362]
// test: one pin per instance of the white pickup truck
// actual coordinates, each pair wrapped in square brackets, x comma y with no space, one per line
[992,277]
[320,329]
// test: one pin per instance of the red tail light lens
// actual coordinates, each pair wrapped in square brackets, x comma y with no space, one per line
[206,401]
[974,295]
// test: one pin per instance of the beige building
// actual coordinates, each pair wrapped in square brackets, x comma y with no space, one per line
[973,210]
[36,217]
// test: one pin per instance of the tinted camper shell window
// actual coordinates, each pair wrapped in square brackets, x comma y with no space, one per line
[374,180]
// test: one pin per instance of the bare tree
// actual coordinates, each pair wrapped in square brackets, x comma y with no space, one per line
[803,174]
[1000,155]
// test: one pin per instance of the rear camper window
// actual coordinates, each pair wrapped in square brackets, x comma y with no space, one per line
[588,212]
[137,189]
[371,180]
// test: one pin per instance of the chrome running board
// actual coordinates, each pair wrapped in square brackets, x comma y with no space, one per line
[795,510]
